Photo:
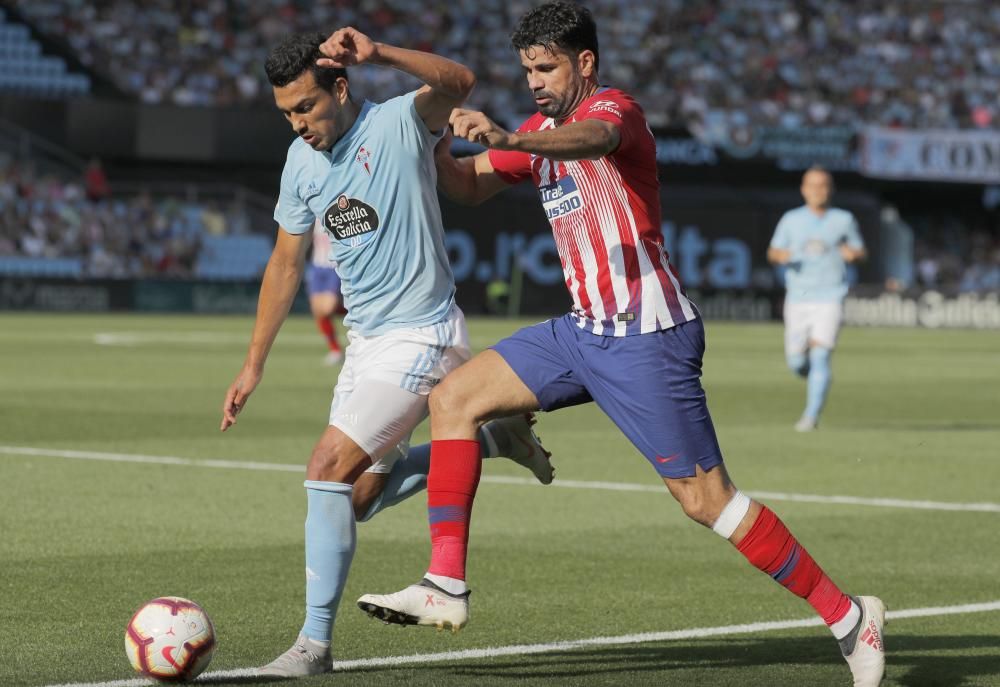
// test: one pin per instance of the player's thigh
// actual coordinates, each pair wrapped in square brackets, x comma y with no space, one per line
[378,417]
[543,359]
[481,389]
[798,326]
[337,457]
[383,389]
[650,386]
[826,325]
[323,304]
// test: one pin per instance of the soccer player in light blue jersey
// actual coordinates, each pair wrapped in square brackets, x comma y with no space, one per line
[366,171]
[815,243]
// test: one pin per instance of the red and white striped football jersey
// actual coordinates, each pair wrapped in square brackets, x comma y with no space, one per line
[605,216]
[321,246]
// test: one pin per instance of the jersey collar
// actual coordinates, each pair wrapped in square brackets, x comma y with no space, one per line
[343,149]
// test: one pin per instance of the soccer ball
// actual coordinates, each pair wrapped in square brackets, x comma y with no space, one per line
[170,638]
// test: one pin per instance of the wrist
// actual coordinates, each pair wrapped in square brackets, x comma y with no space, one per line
[514,141]
[378,53]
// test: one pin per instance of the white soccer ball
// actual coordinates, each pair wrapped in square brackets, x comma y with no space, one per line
[170,638]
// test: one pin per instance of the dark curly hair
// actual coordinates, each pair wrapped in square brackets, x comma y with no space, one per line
[296,54]
[564,25]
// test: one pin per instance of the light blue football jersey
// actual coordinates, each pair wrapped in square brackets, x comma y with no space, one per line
[817,273]
[375,194]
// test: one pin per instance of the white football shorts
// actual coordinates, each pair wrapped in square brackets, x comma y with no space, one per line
[381,393]
[805,322]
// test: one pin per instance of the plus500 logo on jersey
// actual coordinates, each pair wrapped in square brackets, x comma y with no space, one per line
[560,198]
[351,221]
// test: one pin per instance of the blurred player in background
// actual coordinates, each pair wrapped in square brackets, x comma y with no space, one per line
[323,287]
[366,170]
[815,243]
[633,343]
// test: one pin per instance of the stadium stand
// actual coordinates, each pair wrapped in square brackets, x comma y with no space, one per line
[706,67]
[793,62]
[24,69]
[232,257]
[49,227]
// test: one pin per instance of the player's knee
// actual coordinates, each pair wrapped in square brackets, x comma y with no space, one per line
[701,504]
[332,461]
[698,510]
[819,355]
[451,399]
[798,363]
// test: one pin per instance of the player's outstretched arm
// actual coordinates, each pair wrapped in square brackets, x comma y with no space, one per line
[778,256]
[448,83]
[851,254]
[468,180]
[589,139]
[277,291]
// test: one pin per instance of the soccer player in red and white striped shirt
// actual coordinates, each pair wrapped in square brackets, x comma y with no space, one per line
[633,343]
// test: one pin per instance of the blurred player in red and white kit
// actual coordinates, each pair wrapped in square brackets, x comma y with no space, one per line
[323,287]
[633,343]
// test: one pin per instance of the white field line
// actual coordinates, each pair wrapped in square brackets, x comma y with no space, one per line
[498,479]
[528,649]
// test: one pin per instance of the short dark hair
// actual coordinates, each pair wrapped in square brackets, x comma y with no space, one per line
[297,54]
[564,25]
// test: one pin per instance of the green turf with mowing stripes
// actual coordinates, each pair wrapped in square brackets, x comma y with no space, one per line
[912,415]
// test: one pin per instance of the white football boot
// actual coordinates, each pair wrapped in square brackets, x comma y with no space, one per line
[306,657]
[806,424]
[864,648]
[419,604]
[333,358]
[515,439]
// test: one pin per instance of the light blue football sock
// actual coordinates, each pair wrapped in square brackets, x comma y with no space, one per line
[798,363]
[330,542]
[409,476]
[818,382]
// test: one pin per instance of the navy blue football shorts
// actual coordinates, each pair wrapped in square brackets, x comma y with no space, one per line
[648,384]
[322,280]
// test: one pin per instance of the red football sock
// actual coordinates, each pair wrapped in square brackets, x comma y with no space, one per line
[451,488]
[325,325]
[770,547]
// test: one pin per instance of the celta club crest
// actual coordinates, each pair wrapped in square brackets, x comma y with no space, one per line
[364,157]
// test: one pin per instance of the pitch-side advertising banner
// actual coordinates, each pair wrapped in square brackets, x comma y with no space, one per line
[932,155]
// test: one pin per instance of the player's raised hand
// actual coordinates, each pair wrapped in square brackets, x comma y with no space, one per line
[237,394]
[347,47]
[478,128]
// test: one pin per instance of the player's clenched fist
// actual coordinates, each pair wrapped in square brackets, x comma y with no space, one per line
[347,47]
[478,128]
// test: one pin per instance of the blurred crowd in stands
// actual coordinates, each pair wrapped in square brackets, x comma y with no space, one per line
[51,216]
[709,65]
[139,235]
[949,257]
[909,63]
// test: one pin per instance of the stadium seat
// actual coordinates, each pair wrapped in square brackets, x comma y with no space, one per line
[20,266]
[25,69]
[233,257]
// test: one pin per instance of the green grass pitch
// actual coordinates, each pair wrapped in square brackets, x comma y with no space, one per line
[913,415]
